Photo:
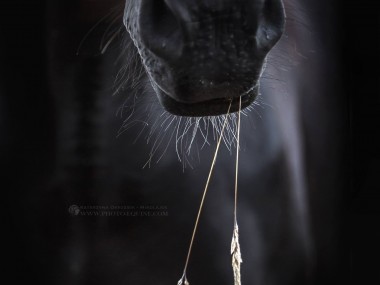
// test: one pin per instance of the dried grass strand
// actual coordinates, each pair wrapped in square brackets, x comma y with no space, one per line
[235,246]
[183,280]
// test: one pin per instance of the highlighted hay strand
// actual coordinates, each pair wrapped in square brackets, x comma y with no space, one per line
[235,246]
[183,280]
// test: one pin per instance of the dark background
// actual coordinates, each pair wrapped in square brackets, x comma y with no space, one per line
[360,24]
[27,136]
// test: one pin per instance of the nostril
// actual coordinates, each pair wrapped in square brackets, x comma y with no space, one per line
[159,29]
[271,25]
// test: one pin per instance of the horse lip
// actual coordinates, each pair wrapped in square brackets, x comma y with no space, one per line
[213,107]
[191,93]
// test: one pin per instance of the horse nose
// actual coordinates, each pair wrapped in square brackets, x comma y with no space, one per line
[167,26]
